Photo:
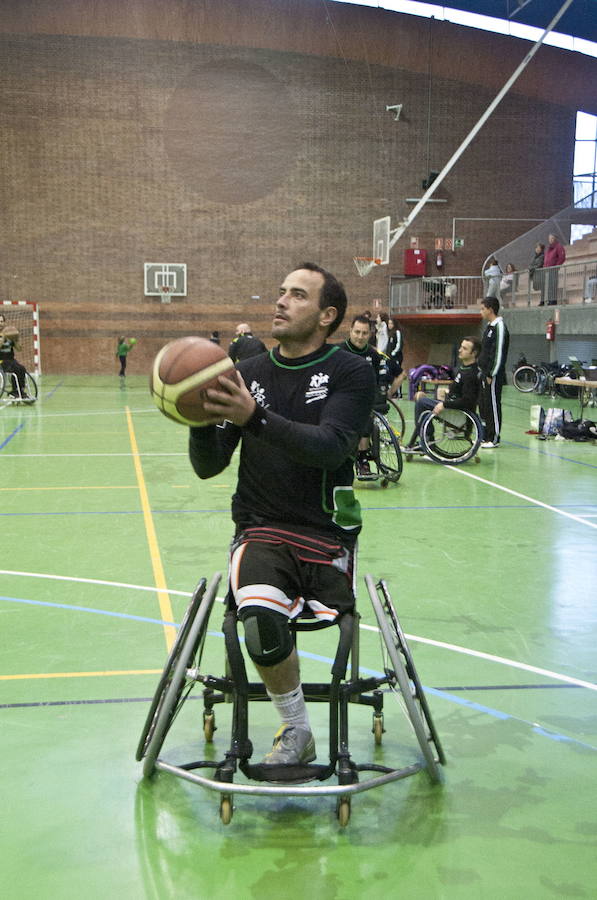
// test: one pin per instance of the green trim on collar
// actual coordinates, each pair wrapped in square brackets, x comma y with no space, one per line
[314,362]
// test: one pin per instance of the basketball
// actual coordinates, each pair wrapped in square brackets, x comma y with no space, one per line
[132,341]
[181,373]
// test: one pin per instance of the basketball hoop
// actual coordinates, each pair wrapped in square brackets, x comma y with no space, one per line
[364,264]
[166,293]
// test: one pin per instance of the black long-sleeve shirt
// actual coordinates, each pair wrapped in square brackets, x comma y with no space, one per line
[297,450]
[464,390]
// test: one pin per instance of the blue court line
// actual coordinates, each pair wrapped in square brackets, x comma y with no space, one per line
[54,389]
[437,692]
[10,436]
[170,512]
[579,462]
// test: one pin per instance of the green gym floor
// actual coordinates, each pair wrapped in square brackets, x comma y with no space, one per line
[492,568]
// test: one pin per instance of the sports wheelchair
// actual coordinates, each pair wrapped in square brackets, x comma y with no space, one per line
[10,389]
[184,670]
[449,438]
[384,452]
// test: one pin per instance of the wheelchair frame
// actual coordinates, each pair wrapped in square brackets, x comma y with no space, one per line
[30,386]
[384,452]
[450,438]
[183,671]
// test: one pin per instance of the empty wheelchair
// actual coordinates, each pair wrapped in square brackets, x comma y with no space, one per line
[10,389]
[449,438]
[234,773]
[384,456]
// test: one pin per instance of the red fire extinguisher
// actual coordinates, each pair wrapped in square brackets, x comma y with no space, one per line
[550,330]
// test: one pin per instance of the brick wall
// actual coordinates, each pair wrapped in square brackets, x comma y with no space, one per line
[240,161]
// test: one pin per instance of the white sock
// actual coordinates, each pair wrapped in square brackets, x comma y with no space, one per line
[291,707]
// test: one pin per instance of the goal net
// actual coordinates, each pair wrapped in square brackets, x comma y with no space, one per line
[25,317]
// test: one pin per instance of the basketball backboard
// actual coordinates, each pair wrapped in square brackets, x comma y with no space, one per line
[381,240]
[172,276]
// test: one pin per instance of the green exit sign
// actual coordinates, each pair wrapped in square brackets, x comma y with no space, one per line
[458,242]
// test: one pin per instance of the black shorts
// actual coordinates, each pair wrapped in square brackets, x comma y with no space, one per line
[283,572]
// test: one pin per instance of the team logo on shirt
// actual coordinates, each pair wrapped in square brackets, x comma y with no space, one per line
[318,388]
[258,394]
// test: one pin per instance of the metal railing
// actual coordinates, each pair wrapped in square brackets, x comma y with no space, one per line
[571,283]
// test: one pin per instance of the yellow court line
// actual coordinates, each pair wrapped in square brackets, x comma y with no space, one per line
[82,674]
[156,559]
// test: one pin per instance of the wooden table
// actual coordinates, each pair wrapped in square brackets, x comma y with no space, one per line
[585,389]
[435,384]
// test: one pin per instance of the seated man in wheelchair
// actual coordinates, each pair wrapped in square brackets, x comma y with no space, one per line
[462,394]
[386,372]
[298,413]
[9,342]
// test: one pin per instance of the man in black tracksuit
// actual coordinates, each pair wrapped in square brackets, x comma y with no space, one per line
[298,412]
[492,362]
[462,394]
[245,344]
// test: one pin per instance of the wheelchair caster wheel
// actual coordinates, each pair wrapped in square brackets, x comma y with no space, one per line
[378,729]
[209,726]
[343,811]
[226,809]
[477,459]
[384,482]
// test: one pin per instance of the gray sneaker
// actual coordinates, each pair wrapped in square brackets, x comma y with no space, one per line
[292,745]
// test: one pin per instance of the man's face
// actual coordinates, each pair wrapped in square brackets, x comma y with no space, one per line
[552,239]
[485,313]
[359,334]
[466,353]
[298,316]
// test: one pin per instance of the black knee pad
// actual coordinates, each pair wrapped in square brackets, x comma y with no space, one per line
[267,635]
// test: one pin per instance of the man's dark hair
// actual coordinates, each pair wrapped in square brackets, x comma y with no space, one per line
[475,342]
[491,303]
[362,318]
[332,293]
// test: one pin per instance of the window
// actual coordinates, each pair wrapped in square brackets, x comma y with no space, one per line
[585,169]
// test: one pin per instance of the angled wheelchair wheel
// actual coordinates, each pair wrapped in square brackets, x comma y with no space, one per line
[452,437]
[525,379]
[385,449]
[404,680]
[30,388]
[2,382]
[170,694]
[398,422]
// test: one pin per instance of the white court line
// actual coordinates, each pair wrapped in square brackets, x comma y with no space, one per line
[122,584]
[456,648]
[497,659]
[506,490]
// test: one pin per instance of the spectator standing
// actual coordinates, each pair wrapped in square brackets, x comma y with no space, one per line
[381,332]
[395,350]
[535,271]
[493,276]
[555,256]
[492,362]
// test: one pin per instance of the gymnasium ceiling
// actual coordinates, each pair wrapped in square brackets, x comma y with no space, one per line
[579,20]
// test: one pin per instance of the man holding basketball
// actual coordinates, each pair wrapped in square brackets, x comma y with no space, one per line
[298,412]
[9,342]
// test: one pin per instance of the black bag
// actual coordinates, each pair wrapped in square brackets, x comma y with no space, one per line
[579,430]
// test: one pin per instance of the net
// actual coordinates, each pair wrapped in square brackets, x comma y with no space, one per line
[166,293]
[364,264]
[24,317]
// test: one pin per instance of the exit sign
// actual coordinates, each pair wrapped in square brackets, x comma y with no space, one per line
[458,242]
